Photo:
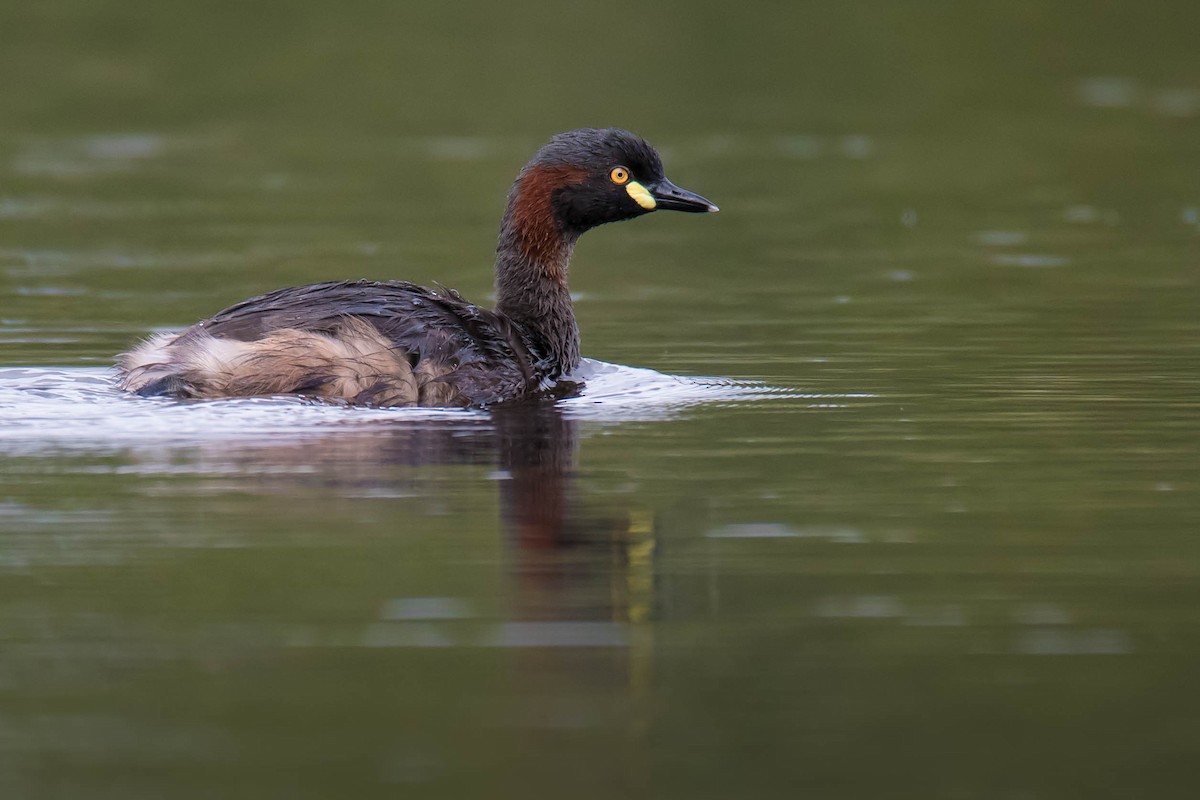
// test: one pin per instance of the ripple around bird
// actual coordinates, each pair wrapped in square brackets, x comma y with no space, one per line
[82,408]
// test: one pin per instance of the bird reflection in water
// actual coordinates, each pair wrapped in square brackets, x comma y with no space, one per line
[580,574]
[561,545]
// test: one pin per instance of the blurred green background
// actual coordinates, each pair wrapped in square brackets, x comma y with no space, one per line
[960,562]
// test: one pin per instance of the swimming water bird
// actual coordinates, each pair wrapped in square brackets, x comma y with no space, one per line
[394,343]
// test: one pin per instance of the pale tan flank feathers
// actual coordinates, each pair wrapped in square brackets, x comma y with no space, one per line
[358,363]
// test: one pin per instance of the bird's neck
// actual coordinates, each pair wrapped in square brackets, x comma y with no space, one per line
[533,258]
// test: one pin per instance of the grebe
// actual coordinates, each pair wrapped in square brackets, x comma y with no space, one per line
[394,343]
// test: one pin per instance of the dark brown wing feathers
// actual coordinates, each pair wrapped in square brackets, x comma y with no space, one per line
[482,354]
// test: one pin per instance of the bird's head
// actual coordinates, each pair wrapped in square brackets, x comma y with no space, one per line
[591,176]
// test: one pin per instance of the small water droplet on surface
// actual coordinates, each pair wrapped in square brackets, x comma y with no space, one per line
[1176,102]
[1108,92]
[1001,238]
[857,146]
[1029,260]
[426,608]
[799,146]
[1089,215]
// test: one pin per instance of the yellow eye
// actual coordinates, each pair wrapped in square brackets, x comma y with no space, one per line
[619,176]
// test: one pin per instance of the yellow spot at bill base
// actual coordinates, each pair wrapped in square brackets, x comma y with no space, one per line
[641,195]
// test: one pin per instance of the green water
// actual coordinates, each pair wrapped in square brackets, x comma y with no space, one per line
[966,566]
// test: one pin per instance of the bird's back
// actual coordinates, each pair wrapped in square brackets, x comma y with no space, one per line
[383,343]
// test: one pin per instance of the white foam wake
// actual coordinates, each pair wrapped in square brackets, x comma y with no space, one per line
[81,408]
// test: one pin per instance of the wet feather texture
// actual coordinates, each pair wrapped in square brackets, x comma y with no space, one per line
[379,343]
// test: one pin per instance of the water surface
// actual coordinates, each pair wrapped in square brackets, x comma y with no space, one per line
[904,504]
